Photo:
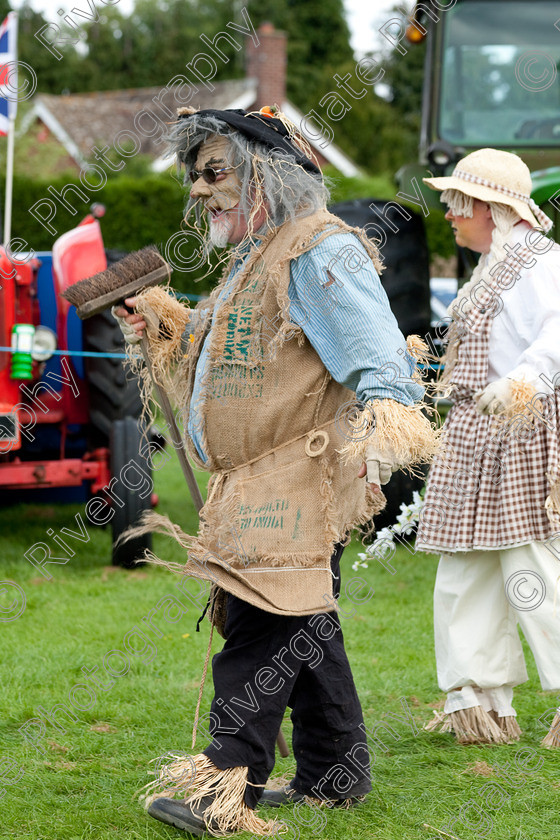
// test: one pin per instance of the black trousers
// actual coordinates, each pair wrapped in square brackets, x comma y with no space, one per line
[270,662]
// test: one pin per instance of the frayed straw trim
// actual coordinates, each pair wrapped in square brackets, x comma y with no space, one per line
[192,778]
[419,354]
[402,428]
[522,393]
[475,726]
[165,346]
[509,726]
[166,319]
[339,804]
[419,350]
[281,783]
[552,739]
[439,723]
[471,726]
[152,522]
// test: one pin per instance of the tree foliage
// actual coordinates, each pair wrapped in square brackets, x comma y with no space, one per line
[404,76]
[159,38]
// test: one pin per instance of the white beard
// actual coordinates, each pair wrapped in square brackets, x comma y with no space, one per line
[219,231]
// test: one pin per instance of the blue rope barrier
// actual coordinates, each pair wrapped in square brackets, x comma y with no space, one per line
[181,295]
[94,354]
[88,353]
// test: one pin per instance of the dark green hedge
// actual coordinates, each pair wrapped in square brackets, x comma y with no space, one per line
[141,211]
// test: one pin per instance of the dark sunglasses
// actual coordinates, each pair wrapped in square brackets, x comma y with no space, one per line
[208,174]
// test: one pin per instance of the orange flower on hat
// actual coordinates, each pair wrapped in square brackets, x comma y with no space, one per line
[267,111]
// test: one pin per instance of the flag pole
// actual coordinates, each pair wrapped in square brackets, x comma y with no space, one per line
[12,108]
[9,182]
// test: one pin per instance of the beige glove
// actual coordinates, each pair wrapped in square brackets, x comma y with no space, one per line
[495,398]
[380,464]
[127,329]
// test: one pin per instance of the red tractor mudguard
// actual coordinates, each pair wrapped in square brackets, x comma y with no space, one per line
[77,254]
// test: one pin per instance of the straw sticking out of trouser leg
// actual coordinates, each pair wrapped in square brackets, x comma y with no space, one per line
[473,726]
[193,778]
[509,726]
[553,738]
[439,723]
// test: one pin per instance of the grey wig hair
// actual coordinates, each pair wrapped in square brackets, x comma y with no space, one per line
[289,190]
[504,218]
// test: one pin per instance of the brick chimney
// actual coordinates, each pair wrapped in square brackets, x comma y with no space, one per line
[267,64]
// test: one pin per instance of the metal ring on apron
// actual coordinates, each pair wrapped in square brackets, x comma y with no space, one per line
[316,436]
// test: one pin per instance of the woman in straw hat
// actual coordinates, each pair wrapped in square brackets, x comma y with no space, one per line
[492,501]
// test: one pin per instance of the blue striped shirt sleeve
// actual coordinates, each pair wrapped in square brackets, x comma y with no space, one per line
[337,298]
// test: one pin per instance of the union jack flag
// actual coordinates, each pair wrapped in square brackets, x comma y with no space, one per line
[8,72]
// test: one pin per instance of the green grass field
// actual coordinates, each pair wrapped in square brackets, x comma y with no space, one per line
[80,783]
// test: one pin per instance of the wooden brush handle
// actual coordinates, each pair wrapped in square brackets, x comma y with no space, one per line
[178,444]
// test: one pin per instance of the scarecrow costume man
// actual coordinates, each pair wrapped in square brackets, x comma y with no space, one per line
[270,369]
[492,499]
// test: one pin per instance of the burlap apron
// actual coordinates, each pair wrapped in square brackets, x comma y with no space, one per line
[488,487]
[279,497]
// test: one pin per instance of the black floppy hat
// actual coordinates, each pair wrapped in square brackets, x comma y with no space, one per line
[260,127]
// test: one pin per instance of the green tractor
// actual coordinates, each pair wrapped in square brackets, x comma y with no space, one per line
[491,80]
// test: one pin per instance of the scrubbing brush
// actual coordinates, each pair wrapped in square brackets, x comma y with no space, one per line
[132,274]
[127,277]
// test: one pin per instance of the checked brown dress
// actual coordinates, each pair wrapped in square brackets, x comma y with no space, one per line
[488,487]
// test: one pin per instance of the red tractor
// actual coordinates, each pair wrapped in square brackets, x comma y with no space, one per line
[69,414]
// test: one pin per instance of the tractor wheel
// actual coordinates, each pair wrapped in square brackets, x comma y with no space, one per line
[125,443]
[113,393]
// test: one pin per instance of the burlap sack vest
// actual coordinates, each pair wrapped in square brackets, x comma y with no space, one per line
[279,497]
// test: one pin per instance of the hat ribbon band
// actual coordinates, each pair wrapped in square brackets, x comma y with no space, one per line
[545,222]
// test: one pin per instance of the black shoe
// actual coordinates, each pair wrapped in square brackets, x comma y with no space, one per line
[283,796]
[181,815]
[288,795]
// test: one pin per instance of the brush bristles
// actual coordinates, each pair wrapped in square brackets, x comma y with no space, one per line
[130,268]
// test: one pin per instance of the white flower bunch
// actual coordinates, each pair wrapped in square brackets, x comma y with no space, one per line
[406,523]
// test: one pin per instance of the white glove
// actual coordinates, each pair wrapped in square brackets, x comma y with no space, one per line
[495,398]
[380,464]
[127,329]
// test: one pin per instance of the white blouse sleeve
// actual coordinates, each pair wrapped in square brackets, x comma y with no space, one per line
[536,314]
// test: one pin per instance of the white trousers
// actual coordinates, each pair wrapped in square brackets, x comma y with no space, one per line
[479,598]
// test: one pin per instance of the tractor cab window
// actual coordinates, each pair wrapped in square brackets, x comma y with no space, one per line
[492,92]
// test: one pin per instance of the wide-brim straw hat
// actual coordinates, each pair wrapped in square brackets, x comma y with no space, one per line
[500,177]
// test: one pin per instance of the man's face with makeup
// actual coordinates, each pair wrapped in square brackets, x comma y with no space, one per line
[227,222]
